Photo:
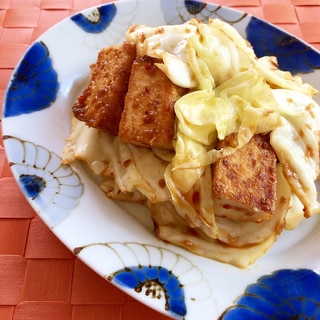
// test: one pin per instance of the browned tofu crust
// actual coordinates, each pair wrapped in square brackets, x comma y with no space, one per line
[148,117]
[244,183]
[101,103]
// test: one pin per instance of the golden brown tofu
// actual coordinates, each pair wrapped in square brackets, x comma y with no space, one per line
[244,183]
[148,116]
[101,103]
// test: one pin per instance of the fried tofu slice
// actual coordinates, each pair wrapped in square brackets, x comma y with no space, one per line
[101,104]
[244,183]
[148,117]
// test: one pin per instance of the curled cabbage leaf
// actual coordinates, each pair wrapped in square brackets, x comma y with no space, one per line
[231,91]
[128,172]
[192,51]
[295,213]
[178,71]
[280,79]
[154,41]
[296,143]
[239,244]
[222,54]
[172,228]
[243,104]
[199,56]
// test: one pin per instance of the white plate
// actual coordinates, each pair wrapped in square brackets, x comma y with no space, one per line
[117,240]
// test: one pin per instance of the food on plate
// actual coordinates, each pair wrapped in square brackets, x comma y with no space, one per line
[148,117]
[222,146]
[244,183]
[101,103]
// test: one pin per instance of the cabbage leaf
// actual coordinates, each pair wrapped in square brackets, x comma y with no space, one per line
[128,172]
[231,92]
[296,143]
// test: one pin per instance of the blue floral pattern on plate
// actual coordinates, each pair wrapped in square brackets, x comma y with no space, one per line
[293,55]
[285,294]
[178,11]
[157,279]
[185,288]
[34,86]
[54,187]
[98,19]
[95,28]
[159,273]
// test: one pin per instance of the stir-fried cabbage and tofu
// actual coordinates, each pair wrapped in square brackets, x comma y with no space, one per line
[222,146]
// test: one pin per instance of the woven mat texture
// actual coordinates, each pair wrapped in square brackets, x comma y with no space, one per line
[39,278]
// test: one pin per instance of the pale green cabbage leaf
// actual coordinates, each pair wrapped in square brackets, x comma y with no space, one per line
[231,91]
[296,143]
[128,172]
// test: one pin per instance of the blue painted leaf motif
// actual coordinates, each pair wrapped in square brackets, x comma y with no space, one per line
[156,272]
[176,12]
[285,294]
[55,188]
[194,7]
[155,279]
[293,55]
[98,20]
[32,184]
[34,85]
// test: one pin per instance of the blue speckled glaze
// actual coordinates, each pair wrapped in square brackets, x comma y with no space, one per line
[285,294]
[34,86]
[98,20]
[154,278]
[293,55]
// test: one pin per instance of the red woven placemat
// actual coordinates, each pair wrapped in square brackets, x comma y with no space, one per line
[39,277]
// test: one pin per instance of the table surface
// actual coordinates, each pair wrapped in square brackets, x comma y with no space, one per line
[39,277]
